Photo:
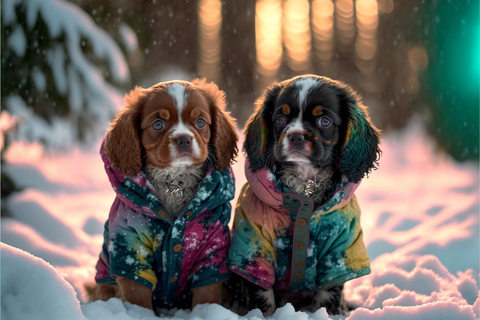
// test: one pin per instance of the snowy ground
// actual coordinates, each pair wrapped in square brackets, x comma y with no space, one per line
[420,220]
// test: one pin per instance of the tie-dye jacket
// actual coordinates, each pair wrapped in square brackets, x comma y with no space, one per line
[280,240]
[142,242]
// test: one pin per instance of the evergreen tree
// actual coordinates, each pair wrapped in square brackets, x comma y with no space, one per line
[59,72]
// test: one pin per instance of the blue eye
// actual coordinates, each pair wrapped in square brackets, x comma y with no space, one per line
[281,121]
[158,125]
[324,121]
[200,123]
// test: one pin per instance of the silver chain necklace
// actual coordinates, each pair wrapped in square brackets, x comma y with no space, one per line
[174,187]
[310,186]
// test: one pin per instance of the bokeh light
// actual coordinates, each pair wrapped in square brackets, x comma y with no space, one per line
[344,23]
[418,58]
[297,37]
[209,41]
[385,6]
[268,36]
[418,61]
[322,24]
[366,12]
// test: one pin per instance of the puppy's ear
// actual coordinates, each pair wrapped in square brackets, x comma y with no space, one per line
[360,151]
[258,129]
[123,146]
[224,135]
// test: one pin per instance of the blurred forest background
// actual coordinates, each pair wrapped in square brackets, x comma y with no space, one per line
[63,63]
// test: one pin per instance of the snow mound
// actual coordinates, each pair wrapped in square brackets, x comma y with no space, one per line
[409,286]
[33,289]
[114,309]
[441,310]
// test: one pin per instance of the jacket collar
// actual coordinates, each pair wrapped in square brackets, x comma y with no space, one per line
[216,188]
[264,185]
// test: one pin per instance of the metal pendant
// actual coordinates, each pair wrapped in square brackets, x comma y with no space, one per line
[174,188]
[309,188]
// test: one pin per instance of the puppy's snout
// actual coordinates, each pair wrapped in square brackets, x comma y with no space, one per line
[184,141]
[296,138]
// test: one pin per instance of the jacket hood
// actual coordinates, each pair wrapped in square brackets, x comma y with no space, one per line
[264,185]
[139,194]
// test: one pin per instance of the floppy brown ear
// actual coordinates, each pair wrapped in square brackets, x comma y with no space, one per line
[123,146]
[224,136]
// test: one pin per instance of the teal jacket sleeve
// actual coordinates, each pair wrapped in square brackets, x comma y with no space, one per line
[131,246]
[342,254]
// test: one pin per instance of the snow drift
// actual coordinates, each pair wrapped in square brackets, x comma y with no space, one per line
[33,289]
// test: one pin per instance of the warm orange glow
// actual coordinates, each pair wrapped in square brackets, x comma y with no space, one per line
[366,12]
[418,61]
[418,58]
[268,35]
[411,83]
[344,23]
[322,21]
[209,41]
[296,31]
[385,6]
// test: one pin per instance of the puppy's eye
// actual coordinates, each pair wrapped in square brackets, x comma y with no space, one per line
[200,123]
[281,121]
[158,125]
[324,121]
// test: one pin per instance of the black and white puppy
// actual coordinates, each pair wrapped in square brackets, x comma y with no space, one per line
[313,134]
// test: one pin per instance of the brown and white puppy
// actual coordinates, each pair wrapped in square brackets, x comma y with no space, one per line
[175,130]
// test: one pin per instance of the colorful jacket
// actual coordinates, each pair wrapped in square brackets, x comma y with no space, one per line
[142,242]
[280,240]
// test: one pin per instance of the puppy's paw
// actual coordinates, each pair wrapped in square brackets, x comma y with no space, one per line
[207,294]
[331,299]
[265,301]
[102,291]
[135,293]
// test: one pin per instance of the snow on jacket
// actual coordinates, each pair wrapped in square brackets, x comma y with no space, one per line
[143,243]
[280,240]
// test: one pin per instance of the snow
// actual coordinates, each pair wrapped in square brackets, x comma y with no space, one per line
[441,310]
[74,75]
[39,79]
[392,283]
[416,183]
[17,41]
[56,134]
[65,17]
[129,38]
[33,289]
[419,217]
[114,309]
[56,59]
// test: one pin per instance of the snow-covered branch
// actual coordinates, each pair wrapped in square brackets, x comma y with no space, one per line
[60,71]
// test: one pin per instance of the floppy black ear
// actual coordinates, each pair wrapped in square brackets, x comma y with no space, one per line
[258,129]
[360,149]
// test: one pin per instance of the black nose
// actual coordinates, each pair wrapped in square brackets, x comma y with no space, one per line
[184,141]
[296,138]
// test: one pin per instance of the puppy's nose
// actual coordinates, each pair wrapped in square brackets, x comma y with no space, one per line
[296,138]
[184,141]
